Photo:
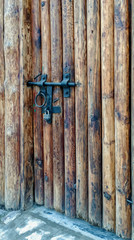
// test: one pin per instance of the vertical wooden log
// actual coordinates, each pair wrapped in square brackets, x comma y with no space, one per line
[38,130]
[122,118]
[12,104]
[26,100]
[132,115]
[69,108]
[58,124]
[2,109]
[81,109]
[94,111]
[47,128]
[108,136]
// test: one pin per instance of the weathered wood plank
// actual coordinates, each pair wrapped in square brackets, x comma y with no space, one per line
[12,104]
[122,118]
[94,112]
[47,128]
[81,115]
[26,101]
[58,120]
[108,135]
[2,108]
[69,109]
[132,115]
[38,126]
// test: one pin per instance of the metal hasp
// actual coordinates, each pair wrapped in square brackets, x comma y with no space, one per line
[46,92]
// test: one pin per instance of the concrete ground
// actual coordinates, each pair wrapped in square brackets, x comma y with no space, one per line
[39,223]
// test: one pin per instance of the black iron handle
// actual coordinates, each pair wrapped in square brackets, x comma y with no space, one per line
[42,83]
[41,94]
[39,84]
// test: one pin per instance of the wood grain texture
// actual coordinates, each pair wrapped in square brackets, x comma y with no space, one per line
[108,135]
[94,112]
[47,128]
[38,125]
[81,114]
[58,120]
[26,100]
[2,108]
[132,114]
[69,109]
[12,104]
[122,118]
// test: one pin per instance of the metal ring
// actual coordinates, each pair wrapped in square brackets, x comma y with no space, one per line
[42,95]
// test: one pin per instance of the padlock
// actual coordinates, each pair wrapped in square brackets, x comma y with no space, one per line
[47,115]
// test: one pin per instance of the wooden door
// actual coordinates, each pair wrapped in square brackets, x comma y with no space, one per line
[59,140]
[81,163]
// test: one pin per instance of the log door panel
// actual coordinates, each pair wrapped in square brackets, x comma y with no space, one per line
[63,168]
[81,170]
[75,153]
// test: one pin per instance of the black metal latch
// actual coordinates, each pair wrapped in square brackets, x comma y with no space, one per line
[46,92]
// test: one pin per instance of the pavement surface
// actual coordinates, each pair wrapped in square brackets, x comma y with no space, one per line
[39,223]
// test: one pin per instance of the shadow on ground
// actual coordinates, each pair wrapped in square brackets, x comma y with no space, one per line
[39,223]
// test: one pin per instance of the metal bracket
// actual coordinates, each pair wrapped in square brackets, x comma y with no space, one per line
[129,200]
[46,92]
[66,90]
